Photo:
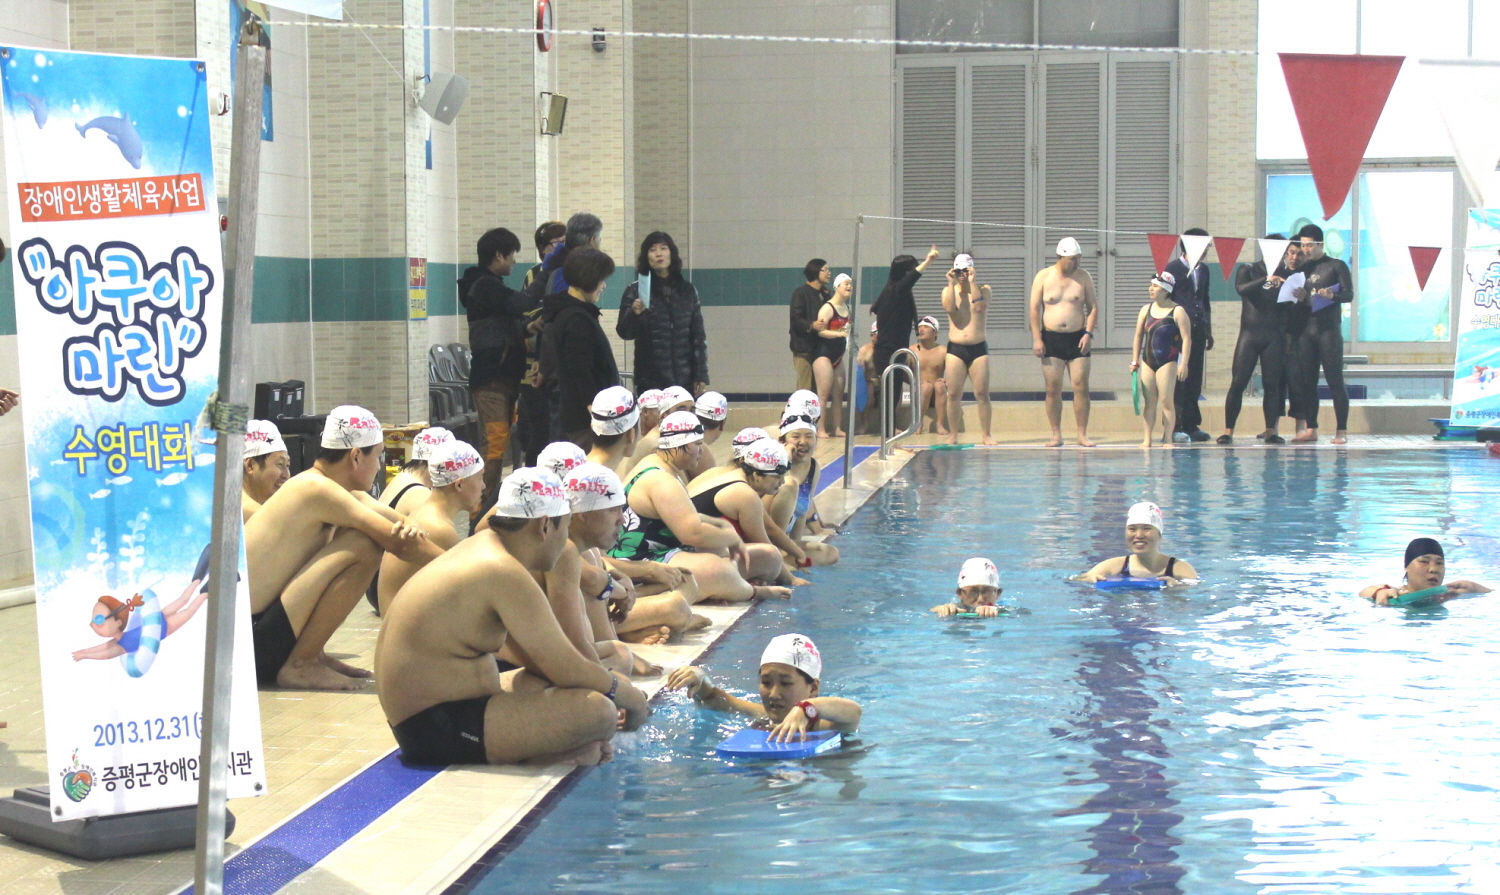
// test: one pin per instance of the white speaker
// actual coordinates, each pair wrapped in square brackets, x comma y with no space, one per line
[444,96]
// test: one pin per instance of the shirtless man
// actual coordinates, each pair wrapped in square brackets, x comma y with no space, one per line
[1064,312]
[673,398]
[311,550]
[965,302]
[456,471]
[934,358]
[444,697]
[267,465]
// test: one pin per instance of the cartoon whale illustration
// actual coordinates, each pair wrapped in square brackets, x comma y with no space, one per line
[38,107]
[121,132]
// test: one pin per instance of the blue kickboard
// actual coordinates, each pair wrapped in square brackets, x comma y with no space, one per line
[861,392]
[752,743]
[1124,583]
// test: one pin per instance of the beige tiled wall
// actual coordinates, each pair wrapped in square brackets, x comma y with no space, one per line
[660,96]
[147,27]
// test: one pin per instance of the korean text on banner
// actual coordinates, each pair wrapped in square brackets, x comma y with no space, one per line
[118,282]
[1476,361]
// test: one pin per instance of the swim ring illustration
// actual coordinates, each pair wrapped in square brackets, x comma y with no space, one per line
[135,628]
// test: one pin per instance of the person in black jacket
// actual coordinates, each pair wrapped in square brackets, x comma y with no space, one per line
[804,326]
[497,340]
[1192,294]
[1263,339]
[670,345]
[577,361]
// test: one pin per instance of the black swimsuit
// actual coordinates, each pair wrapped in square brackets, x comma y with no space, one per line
[373,592]
[1171,564]
[969,353]
[444,734]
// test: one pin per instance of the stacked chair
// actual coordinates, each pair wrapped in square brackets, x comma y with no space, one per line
[449,403]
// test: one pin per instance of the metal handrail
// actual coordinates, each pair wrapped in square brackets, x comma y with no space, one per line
[889,397]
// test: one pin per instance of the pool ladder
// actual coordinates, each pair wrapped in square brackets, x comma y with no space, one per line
[890,399]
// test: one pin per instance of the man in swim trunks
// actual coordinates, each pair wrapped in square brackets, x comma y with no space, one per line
[1426,567]
[934,358]
[311,551]
[267,465]
[456,470]
[444,697]
[1064,312]
[791,671]
[978,589]
[966,302]
[1143,530]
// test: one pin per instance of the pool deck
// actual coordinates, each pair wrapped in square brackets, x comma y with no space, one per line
[342,816]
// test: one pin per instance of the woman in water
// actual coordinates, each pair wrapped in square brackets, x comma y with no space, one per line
[833,341]
[1425,569]
[1143,529]
[1163,342]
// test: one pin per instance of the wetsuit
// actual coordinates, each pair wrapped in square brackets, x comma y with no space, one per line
[1161,343]
[1321,343]
[833,349]
[1262,339]
[644,538]
[707,504]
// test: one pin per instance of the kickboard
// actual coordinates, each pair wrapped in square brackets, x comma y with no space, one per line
[1135,390]
[1420,598]
[861,392]
[949,447]
[752,743]
[1126,583]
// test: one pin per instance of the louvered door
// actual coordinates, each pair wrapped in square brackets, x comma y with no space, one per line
[1000,182]
[1070,108]
[928,162]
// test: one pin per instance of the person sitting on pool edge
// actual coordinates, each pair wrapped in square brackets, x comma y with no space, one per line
[978,589]
[267,466]
[444,698]
[1425,568]
[1143,531]
[791,671]
[455,470]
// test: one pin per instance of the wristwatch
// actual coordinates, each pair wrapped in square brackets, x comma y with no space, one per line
[608,589]
[810,711]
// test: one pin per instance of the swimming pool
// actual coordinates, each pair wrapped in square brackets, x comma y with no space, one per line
[1264,731]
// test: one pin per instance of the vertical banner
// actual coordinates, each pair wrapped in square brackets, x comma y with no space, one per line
[118,282]
[1476,361]
[416,288]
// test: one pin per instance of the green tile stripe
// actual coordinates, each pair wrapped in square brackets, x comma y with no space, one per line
[7,298]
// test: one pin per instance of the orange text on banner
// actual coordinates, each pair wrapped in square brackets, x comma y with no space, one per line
[86,200]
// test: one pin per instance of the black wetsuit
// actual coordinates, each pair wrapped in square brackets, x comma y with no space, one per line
[1321,342]
[1262,339]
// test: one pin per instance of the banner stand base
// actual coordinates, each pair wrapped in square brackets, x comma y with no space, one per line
[26,817]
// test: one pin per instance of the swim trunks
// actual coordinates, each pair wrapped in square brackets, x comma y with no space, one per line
[443,734]
[969,353]
[271,631]
[1063,346]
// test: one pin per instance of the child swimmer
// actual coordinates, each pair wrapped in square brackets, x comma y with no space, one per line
[1425,568]
[790,672]
[978,589]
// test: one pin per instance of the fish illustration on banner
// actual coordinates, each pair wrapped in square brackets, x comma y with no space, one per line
[118,282]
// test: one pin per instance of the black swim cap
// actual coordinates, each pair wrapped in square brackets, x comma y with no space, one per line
[1421,547]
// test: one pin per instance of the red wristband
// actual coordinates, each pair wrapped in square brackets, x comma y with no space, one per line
[809,711]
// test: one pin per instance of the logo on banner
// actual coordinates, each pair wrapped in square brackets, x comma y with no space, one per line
[77,780]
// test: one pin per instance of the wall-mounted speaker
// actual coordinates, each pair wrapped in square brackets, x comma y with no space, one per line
[444,96]
[554,112]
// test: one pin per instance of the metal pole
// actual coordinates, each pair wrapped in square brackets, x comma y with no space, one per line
[229,414]
[851,361]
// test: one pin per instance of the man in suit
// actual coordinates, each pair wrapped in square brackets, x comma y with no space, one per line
[1192,295]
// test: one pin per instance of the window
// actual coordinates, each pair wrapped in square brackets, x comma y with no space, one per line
[1095,23]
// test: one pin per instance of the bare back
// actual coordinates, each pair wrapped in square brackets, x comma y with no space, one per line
[395,571]
[1062,301]
[284,534]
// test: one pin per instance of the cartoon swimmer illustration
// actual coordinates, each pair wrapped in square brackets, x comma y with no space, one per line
[134,629]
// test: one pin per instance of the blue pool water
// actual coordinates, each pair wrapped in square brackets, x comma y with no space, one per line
[1265,731]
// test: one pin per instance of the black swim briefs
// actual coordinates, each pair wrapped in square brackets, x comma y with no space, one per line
[444,734]
[969,353]
[271,632]
[1063,346]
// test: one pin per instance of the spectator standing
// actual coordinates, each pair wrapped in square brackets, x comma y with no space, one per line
[804,328]
[896,309]
[577,360]
[1320,344]
[670,344]
[539,420]
[497,338]
[532,414]
[1192,296]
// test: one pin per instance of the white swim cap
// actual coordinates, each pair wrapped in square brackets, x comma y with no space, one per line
[675,395]
[712,406]
[650,399]
[746,437]
[561,456]
[1165,280]
[614,411]
[963,261]
[1145,513]
[678,428]
[796,650]
[841,279]
[874,327]
[794,421]
[978,571]
[452,462]
[929,321]
[766,455]
[805,402]
[349,426]
[591,486]
[1068,247]
[261,438]
[531,493]
[428,440]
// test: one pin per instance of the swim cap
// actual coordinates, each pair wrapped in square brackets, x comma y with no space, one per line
[766,455]
[841,279]
[261,438]
[614,411]
[874,327]
[591,486]
[679,428]
[1422,547]
[712,406]
[1145,513]
[978,571]
[349,426]
[965,261]
[561,456]
[1165,280]
[1068,247]
[744,438]
[452,462]
[650,399]
[672,396]
[531,493]
[796,650]
[804,402]
[794,421]
[428,440]
[929,321]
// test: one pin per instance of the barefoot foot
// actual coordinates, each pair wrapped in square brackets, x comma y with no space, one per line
[1055,442]
[772,593]
[315,676]
[1307,436]
[1083,441]
[346,669]
[698,623]
[1341,438]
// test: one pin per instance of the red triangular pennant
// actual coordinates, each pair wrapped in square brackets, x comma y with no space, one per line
[1162,247]
[1338,100]
[1422,259]
[1228,249]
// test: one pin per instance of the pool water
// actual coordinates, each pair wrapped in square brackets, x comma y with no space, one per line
[1264,731]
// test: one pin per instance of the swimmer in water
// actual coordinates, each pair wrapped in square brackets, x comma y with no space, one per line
[1425,568]
[978,589]
[790,680]
[1143,530]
